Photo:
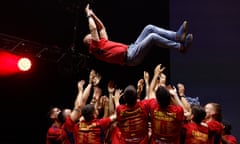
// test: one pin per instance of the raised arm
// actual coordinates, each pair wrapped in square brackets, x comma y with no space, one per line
[146,80]
[98,23]
[82,96]
[176,100]
[100,26]
[95,78]
[140,86]
[152,89]
[181,91]
[80,102]
[111,90]
[80,92]
[91,24]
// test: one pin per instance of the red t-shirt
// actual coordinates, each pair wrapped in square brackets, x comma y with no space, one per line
[215,131]
[93,132]
[230,138]
[133,123]
[195,133]
[109,51]
[56,135]
[71,127]
[166,124]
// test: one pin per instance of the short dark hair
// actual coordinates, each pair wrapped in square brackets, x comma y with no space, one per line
[227,127]
[61,118]
[130,95]
[88,111]
[198,113]
[163,97]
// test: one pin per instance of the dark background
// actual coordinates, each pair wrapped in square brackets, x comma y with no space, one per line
[27,97]
[210,70]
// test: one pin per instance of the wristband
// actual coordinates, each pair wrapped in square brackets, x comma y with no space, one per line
[89,16]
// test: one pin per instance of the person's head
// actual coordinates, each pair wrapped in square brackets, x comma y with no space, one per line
[63,115]
[227,128]
[130,95]
[163,97]
[213,111]
[53,113]
[198,113]
[88,112]
[87,40]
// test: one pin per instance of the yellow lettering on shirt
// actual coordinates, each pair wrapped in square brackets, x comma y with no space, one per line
[199,135]
[166,116]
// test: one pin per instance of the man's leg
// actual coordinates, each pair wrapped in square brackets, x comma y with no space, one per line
[168,34]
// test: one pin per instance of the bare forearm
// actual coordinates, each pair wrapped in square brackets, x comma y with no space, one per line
[82,98]
[98,22]
[111,104]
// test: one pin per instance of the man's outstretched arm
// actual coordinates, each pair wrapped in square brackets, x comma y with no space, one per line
[99,24]
[91,24]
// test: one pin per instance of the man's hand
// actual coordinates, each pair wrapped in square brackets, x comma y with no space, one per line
[111,87]
[80,85]
[158,70]
[87,10]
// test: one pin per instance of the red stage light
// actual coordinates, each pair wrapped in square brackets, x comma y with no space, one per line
[11,63]
[24,64]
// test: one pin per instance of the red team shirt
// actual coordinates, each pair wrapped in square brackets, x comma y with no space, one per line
[109,51]
[215,132]
[72,127]
[56,135]
[132,124]
[230,138]
[88,132]
[195,133]
[166,124]
[93,132]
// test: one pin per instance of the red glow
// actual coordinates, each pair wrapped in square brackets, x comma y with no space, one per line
[9,63]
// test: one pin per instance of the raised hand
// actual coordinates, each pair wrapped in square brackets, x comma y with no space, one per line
[92,76]
[158,70]
[80,85]
[111,86]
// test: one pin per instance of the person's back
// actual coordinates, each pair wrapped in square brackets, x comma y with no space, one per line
[166,119]
[132,119]
[228,137]
[90,129]
[193,131]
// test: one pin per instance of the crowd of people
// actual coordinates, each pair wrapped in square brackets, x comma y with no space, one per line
[148,112]
[122,116]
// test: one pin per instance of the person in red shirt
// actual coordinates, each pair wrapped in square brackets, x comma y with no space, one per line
[228,138]
[56,134]
[166,118]
[91,130]
[132,119]
[193,131]
[62,130]
[213,120]
[131,55]
[64,127]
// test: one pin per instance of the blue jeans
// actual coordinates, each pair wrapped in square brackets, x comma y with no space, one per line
[149,37]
